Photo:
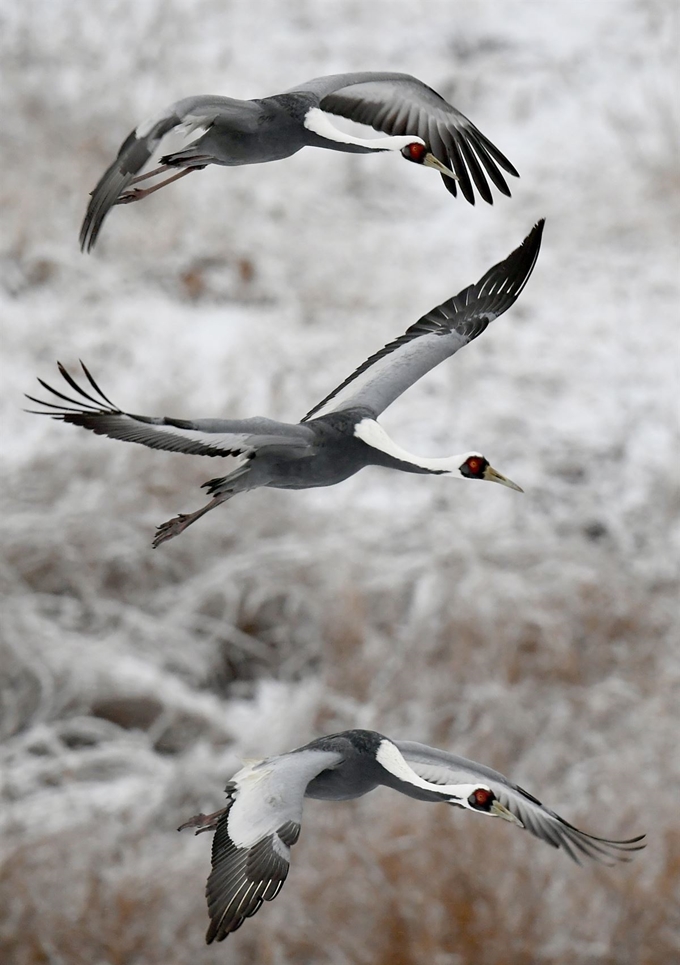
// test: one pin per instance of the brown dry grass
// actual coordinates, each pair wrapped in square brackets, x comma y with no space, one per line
[67,899]
[436,899]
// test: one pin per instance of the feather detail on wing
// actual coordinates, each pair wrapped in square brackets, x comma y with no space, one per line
[254,835]
[202,437]
[439,767]
[401,104]
[191,114]
[242,878]
[436,336]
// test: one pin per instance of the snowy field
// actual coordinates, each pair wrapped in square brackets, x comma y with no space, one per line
[535,633]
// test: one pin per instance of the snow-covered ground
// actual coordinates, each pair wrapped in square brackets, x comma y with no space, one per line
[536,633]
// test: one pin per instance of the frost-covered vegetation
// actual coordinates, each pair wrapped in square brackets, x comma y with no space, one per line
[536,633]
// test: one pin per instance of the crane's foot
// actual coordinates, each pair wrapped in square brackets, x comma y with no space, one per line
[203,822]
[173,527]
[178,524]
[136,194]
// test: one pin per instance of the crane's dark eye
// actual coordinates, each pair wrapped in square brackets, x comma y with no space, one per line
[481,799]
[474,467]
[414,152]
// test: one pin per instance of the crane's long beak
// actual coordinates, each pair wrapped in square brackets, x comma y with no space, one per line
[491,475]
[430,161]
[499,811]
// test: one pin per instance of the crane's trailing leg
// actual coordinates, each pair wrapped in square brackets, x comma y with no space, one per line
[178,524]
[203,822]
[151,174]
[136,194]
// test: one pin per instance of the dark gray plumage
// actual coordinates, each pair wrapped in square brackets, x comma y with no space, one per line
[262,819]
[340,435]
[236,132]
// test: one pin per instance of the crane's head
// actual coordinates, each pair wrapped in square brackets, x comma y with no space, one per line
[483,799]
[418,152]
[476,466]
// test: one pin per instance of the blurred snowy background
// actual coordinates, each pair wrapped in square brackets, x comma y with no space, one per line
[535,633]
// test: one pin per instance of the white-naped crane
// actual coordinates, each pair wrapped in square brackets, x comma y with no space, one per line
[417,121]
[256,830]
[341,434]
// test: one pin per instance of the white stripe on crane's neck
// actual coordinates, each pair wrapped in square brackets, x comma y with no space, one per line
[320,123]
[390,757]
[373,434]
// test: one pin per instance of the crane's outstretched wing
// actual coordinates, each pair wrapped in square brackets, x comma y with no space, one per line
[436,336]
[191,114]
[439,767]
[201,437]
[254,835]
[402,104]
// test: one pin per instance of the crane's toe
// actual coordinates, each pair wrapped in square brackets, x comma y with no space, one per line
[203,822]
[173,527]
[133,194]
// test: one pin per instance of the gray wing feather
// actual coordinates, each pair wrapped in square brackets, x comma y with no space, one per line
[200,437]
[436,336]
[251,847]
[440,767]
[243,878]
[331,83]
[401,104]
[195,112]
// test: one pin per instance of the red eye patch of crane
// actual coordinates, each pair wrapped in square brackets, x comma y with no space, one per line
[417,151]
[474,464]
[483,797]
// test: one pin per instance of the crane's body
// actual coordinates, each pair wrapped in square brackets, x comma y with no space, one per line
[416,121]
[262,820]
[338,436]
